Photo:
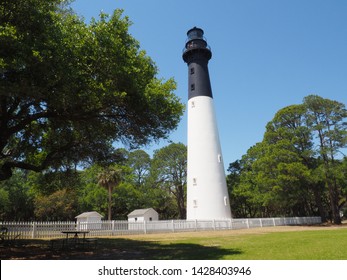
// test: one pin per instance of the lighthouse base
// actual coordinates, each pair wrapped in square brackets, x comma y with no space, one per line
[207,194]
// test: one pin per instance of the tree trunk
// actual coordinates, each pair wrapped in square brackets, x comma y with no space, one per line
[109,202]
[334,203]
[181,202]
[318,198]
[330,182]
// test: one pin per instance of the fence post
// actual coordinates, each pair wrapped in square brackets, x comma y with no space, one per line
[247,222]
[144,227]
[196,225]
[214,224]
[33,233]
[274,222]
[261,222]
[173,226]
[112,226]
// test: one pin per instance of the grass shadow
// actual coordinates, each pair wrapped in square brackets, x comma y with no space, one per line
[115,249]
[134,249]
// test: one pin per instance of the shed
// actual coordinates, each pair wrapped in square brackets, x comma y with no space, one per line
[140,215]
[89,220]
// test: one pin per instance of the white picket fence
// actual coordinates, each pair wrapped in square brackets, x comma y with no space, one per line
[29,230]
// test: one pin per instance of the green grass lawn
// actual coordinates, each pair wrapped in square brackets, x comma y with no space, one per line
[291,245]
[323,245]
[279,243]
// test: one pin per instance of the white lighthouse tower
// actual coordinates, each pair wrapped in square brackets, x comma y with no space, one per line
[207,194]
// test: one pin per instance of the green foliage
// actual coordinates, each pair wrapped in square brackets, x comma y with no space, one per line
[141,186]
[127,198]
[139,161]
[169,168]
[5,203]
[294,170]
[327,120]
[16,198]
[62,194]
[60,205]
[69,90]
[91,196]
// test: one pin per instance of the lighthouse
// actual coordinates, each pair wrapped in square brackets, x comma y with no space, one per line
[207,194]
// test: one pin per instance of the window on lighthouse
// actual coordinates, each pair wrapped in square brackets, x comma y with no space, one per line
[192,71]
[195,203]
[194,182]
[192,87]
[225,201]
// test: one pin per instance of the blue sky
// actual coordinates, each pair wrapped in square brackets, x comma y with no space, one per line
[267,54]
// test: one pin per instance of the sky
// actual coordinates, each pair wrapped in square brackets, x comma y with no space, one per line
[266,55]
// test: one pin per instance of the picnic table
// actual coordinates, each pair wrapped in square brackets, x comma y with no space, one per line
[74,237]
[75,233]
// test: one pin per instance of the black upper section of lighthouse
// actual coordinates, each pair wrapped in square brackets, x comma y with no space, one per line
[197,54]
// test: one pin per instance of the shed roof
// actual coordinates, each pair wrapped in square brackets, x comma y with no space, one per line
[89,214]
[140,212]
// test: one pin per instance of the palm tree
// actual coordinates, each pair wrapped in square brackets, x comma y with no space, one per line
[109,179]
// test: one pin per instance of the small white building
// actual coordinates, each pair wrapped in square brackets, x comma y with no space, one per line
[89,220]
[141,215]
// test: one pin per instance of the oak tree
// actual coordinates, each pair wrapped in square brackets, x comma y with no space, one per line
[69,90]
